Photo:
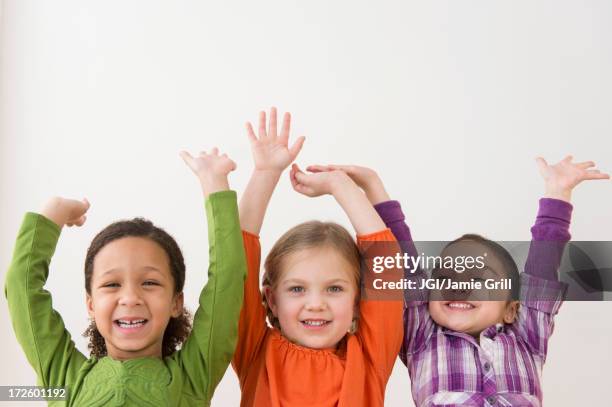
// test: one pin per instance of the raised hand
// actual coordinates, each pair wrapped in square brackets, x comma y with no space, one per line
[366,178]
[66,212]
[271,150]
[345,191]
[563,177]
[211,169]
[318,182]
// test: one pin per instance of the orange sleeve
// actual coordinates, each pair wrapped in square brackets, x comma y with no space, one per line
[252,324]
[380,328]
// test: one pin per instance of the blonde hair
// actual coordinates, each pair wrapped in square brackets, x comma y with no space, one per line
[308,235]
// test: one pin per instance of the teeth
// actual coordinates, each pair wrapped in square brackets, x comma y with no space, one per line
[461,305]
[314,323]
[131,324]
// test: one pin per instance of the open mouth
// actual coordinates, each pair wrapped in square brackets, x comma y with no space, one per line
[459,305]
[130,323]
[315,323]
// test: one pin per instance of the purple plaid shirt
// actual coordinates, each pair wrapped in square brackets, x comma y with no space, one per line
[504,367]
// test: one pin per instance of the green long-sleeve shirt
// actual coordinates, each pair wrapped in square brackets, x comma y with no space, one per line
[186,378]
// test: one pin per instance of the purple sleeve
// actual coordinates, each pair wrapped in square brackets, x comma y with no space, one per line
[549,236]
[391,213]
[541,291]
[418,325]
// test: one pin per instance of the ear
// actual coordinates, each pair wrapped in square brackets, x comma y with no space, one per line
[511,311]
[177,304]
[269,294]
[90,307]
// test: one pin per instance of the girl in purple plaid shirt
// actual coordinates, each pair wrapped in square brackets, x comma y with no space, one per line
[485,353]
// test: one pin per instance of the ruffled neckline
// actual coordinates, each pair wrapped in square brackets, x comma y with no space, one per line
[283,342]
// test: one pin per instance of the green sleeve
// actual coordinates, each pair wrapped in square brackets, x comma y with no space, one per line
[208,351]
[39,328]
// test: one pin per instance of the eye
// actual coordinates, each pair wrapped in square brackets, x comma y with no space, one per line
[151,283]
[110,285]
[296,289]
[335,289]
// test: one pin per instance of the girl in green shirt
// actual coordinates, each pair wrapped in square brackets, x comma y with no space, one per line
[134,276]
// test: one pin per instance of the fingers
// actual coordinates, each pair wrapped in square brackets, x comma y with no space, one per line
[318,168]
[214,151]
[233,163]
[349,169]
[272,124]
[596,174]
[250,132]
[294,169]
[302,189]
[286,127]
[187,158]
[584,165]
[262,124]
[296,147]
[297,185]
[77,211]
[79,222]
[542,165]
[568,158]
[301,177]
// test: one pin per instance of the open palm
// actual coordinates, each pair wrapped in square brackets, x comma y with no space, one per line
[561,178]
[271,150]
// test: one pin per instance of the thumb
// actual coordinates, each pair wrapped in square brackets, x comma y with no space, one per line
[187,158]
[542,165]
[297,147]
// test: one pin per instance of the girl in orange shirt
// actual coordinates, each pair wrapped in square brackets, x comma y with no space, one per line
[324,346]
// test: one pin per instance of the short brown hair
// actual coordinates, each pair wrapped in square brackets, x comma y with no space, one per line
[179,328]
[308,235]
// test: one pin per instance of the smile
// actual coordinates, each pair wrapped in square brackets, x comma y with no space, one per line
[460,306]
[130,324]
[315,323]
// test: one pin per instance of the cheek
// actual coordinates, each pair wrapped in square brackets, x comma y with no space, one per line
[102,304]
[287,306]
[492,309]
[344,307]
[435,309]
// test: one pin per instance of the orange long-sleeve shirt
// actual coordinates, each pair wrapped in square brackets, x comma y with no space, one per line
[275,372]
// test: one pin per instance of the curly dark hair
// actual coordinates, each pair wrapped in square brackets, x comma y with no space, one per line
[178,328]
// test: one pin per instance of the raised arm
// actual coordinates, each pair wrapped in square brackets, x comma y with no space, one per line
[551,229]
[380,322]
[271,155]
[38,327]
[208,351]
[417,321]
[541,291]
[351,199]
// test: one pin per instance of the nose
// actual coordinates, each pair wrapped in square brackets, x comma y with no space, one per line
[315,302]
[130,296]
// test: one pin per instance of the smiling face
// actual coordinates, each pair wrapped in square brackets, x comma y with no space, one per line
[314,299]
[133,297]
[472,317]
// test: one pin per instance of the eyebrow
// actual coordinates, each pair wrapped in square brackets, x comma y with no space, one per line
[143,269]
[299,281]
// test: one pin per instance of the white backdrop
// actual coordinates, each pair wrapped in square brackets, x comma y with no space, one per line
[449,101]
